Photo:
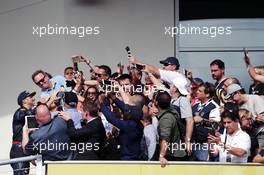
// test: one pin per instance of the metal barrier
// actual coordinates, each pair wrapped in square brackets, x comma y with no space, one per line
[38,158]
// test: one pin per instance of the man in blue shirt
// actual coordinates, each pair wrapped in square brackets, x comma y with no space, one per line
[47,84]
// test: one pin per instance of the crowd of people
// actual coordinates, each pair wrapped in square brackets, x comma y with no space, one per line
[142,113]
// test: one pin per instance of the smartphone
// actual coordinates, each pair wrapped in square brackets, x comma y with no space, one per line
[107,82]
[76,59]
[31,122]
[140,67]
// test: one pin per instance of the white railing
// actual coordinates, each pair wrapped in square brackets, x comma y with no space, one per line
[38,158]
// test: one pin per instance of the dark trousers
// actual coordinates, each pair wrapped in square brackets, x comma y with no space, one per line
[20,168]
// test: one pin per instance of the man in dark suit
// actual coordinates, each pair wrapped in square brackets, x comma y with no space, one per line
[89,139]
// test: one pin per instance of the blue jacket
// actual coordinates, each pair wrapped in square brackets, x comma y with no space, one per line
[131,131]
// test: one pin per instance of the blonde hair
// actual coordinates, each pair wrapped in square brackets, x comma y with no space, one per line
[244,113]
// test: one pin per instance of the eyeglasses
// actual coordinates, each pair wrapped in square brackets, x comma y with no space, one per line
[41,80]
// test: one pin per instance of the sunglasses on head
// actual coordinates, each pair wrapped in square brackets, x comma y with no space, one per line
[41,80]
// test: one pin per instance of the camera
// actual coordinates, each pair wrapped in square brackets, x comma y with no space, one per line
[212,126]
[76,74]
[60,100]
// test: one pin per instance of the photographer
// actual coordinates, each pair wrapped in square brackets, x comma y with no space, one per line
[234,145]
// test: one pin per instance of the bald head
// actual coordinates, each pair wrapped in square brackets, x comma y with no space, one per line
[43,115]
[229,81]
[138,100]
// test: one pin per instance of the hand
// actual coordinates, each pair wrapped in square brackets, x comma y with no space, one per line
[260,118]
[85,59]
[120,68]
[163,162]
[246,57]
[28,131]
[197,119]
[214,138]
[53,96]
[189,75]
[65,115]
[188,148]
[101,98]
[132,60]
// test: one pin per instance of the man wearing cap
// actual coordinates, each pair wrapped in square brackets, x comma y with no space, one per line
[70,105]
[253,103]
[179,94]
[26,101]
[168,73]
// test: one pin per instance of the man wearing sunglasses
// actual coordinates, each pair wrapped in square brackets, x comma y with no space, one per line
[47,84]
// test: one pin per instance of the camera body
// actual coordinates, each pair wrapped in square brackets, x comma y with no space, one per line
[212,126]
[76,74]
[60,101]
[109,86]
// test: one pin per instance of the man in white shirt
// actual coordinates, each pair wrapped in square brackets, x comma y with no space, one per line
[253,103]
[169,73]
[234,144]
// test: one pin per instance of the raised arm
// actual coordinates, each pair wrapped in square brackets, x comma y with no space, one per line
[148,68]
[251,70]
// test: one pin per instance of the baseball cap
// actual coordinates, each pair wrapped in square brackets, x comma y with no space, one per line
[231,89]
[71,99]
[23,95]
[181,85]
[171,60]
